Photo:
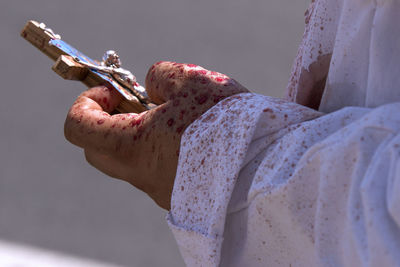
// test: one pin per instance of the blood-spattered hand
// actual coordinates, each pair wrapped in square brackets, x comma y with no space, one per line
[143,149]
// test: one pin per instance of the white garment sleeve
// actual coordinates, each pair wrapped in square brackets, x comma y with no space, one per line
[263,182]
[365,61]
[213,151]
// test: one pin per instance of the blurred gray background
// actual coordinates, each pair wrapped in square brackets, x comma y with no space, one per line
[49,196]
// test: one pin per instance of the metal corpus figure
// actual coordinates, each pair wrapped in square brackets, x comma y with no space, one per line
[111,64]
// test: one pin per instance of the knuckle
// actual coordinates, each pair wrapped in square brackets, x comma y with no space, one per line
[68,132]
[89,157]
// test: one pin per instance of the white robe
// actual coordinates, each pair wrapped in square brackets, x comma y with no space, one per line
[267,182]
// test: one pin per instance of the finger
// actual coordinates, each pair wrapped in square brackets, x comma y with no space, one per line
[105,163]
[168,80]
[88,125]
[108,99]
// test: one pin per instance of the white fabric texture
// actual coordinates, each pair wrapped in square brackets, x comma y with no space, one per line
[365,62]
[267,182]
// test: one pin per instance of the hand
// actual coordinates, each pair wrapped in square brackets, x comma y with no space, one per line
[143,149]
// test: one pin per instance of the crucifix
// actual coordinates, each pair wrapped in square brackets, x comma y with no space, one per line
[72,64]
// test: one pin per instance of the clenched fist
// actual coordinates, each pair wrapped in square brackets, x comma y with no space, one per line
[143,149]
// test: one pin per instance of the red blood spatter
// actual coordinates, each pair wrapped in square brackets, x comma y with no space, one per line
[217,98]
[139,121]
[267,110]
[79,120]
[99,122]
[201,99]
[181,114]
[113,126]
[123,118]
[180,129]
[176,102]
[185,95]
[170,122]
[136,122]
[135,137]
[219,79]
[191,65]
[203,81]
[192,73]
[171,76]
[202,72]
